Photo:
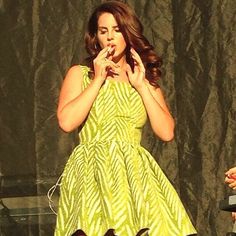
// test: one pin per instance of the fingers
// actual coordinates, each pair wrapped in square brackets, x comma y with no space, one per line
[230,178]
[233,185]
[110,65]
[231,182]
[102,54]
[231,171]
[106,61]
[103,62]
[138,61]
[106,52]
[128,70]
[110,52]
[234,216]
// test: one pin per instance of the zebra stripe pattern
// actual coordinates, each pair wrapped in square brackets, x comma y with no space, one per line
[110,181]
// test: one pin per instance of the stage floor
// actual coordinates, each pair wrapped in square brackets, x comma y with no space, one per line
[27,216]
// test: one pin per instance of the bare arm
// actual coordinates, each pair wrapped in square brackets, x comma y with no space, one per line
[75,104]
[160,118]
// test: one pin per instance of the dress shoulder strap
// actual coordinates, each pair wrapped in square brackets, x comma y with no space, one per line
[86,78]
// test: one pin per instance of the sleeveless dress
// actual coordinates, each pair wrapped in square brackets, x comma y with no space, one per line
[110,181]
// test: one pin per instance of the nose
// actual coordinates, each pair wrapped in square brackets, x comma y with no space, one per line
[110,35]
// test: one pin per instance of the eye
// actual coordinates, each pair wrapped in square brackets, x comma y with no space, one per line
[102,31]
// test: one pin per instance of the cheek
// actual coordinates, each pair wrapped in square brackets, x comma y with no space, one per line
[123,43]
[101,42]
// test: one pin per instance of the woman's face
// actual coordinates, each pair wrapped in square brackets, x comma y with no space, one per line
[109,34]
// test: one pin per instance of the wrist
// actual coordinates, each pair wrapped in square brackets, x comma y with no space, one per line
[99,80]
[142,88]
[97,83]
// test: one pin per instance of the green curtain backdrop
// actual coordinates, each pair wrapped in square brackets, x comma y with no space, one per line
[41,39]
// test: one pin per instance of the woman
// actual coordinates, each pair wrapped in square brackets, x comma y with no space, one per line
[110,181]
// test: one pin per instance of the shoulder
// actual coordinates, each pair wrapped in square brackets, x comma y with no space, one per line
[79,68]
[73,78]
[77,72]
[77,78]
[72,84]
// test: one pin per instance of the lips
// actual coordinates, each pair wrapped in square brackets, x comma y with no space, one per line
[111,45]
[111,49]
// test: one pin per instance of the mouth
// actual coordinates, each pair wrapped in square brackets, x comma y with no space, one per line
[111,49]
[111,45]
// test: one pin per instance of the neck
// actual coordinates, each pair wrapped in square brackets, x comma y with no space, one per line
[120,61]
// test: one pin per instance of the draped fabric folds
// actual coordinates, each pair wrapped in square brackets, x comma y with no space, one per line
[41,39]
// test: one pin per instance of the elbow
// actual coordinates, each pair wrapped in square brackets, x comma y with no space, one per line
[168,136]
[64,123]
[65,126]
[68,122]
[169,133]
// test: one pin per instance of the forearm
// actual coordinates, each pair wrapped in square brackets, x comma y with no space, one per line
[161,120]
[73,114]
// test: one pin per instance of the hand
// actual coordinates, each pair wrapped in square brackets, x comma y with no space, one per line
[136,78]
[103,63]
[230,178]
[234,216]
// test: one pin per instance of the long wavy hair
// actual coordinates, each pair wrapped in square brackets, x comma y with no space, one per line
[132,31]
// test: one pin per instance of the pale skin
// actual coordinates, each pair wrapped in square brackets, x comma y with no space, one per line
[75,104]
[230,179]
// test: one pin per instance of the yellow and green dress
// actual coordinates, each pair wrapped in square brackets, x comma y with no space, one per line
[110,181]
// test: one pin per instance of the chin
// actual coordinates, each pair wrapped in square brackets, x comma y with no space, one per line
[118,55]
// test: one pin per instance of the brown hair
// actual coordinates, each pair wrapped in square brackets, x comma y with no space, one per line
[132,30]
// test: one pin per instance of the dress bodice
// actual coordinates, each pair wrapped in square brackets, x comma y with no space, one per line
[117,113]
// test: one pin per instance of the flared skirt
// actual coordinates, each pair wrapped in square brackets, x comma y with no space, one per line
[117,185]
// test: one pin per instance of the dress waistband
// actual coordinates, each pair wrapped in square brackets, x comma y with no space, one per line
[94,142]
